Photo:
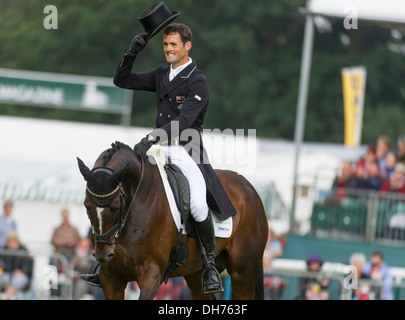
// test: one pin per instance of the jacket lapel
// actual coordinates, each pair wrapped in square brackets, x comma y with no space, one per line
[164,82]
[168,86]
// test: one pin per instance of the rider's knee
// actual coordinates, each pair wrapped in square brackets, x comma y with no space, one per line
[199,211]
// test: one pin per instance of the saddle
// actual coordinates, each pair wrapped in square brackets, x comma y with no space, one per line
[179,197]
[181,192]
[178,255]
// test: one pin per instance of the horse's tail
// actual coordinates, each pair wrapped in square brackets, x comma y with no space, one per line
[259,285]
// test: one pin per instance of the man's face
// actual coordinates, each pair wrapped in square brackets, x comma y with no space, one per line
[314,266]
[358,265]
[375,260]
[175,51]
[381,149]
[65,216]
[7,210]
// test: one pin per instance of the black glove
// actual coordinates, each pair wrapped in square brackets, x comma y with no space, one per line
[137,44]
[141,147]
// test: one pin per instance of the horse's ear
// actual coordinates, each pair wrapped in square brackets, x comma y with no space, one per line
[117,177]
[84,170]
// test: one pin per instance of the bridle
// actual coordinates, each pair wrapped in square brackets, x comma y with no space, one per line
[103,200]
[100,238]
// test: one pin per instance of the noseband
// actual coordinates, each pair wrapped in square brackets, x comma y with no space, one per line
[103,200]
[116,227]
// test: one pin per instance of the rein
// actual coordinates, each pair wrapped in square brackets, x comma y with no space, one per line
[121,223]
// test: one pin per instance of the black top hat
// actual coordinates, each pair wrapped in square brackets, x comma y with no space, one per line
[156,17]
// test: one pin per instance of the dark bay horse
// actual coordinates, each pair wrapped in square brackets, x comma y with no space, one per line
[134,231]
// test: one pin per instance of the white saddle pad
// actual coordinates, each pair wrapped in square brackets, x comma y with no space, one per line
[223,228]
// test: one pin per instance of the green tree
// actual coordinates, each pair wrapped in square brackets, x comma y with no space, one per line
[250,53]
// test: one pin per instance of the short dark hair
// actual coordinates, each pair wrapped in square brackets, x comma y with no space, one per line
[378,253]
[183,30]
[8,203]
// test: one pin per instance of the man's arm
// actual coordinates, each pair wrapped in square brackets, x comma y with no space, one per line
[124,78]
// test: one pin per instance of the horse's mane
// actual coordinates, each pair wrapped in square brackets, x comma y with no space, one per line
[115,146]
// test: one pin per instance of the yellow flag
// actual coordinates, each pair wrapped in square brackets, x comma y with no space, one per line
[354,84]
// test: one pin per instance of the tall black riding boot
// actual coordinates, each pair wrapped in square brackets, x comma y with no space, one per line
[92,279]
[211,282]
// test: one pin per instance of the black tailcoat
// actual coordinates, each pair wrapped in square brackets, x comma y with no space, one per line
[181,104]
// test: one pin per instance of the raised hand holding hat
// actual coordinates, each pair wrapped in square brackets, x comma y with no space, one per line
[137,44]
[153,19]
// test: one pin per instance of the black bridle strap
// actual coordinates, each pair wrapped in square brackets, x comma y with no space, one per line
[120,224]
[132,201]
[100,237]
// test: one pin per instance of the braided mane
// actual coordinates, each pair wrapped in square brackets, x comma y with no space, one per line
[115,146]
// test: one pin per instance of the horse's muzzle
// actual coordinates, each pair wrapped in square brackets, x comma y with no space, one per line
[102,257]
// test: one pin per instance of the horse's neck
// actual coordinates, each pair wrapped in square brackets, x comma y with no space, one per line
[143,179]
[146,198]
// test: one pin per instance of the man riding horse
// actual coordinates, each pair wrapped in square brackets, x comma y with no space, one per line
[182,95]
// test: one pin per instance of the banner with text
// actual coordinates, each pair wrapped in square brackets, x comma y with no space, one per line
[354,84]
[63,91]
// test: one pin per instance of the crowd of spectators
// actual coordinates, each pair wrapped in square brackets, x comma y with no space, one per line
[273,284]
[314,286]
[382,168]
[71,257]
[368,279]
[15,262]
[372,277]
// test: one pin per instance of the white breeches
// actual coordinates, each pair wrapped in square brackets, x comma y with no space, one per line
[198,192]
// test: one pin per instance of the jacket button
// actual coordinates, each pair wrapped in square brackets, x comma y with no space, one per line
[168,115]
[160,114]
[170,99]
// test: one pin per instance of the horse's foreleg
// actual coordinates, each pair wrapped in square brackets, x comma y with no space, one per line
[113,289]
[194,284]
[149,283]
